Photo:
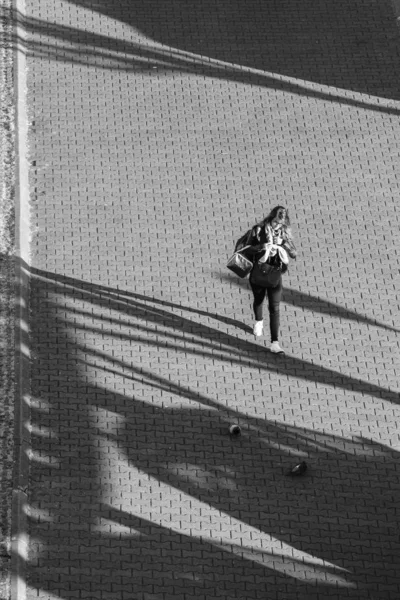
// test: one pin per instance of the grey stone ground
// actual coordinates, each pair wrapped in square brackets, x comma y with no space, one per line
[7,165]
[155,127]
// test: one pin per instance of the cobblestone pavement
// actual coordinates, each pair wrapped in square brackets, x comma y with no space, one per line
[159,133]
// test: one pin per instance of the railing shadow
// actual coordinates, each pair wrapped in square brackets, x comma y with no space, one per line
[231,349]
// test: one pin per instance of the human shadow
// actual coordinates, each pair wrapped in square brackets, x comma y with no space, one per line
[199,339]
[299,60]
[316,304]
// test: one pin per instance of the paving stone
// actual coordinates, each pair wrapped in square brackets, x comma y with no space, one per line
[160,133]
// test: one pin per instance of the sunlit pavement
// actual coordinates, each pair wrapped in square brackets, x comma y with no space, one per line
[159,133]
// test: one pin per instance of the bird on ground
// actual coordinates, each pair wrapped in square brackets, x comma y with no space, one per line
[235,431]
[299,469]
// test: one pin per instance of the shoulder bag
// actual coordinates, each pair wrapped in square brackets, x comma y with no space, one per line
[239,264]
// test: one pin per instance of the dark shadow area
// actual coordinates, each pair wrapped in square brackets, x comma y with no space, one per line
[355,46]
[7,410]
[257,44]
[232,525]
[317,305]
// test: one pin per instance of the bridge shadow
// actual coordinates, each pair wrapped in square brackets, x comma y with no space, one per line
[129,495]
[148,314]
[355,47]
[293,47]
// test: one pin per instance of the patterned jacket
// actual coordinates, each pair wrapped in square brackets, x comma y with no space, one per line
[262,234]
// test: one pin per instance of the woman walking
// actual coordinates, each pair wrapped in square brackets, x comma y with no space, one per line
[273,232]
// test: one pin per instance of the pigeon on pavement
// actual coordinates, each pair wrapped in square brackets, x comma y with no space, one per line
[299,469]
[235,431]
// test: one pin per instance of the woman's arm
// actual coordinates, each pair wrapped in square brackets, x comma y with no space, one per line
[289,246]
[255,244]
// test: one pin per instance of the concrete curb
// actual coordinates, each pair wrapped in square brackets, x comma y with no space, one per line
[19,524]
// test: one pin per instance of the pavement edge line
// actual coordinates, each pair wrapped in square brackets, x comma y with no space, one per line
[19,520]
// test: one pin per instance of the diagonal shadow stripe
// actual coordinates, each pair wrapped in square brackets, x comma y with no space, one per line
[275,554]
[235,349]
[83,47]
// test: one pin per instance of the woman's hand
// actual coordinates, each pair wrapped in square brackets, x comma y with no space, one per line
[290,249]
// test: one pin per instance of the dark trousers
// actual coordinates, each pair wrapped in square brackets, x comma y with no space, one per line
[274,298]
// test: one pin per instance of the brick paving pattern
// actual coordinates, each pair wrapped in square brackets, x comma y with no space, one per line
[159,133]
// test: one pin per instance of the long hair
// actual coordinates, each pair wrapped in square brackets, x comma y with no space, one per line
[282,213]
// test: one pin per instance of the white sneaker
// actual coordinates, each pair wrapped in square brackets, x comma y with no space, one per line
[258,328]
[276,349]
